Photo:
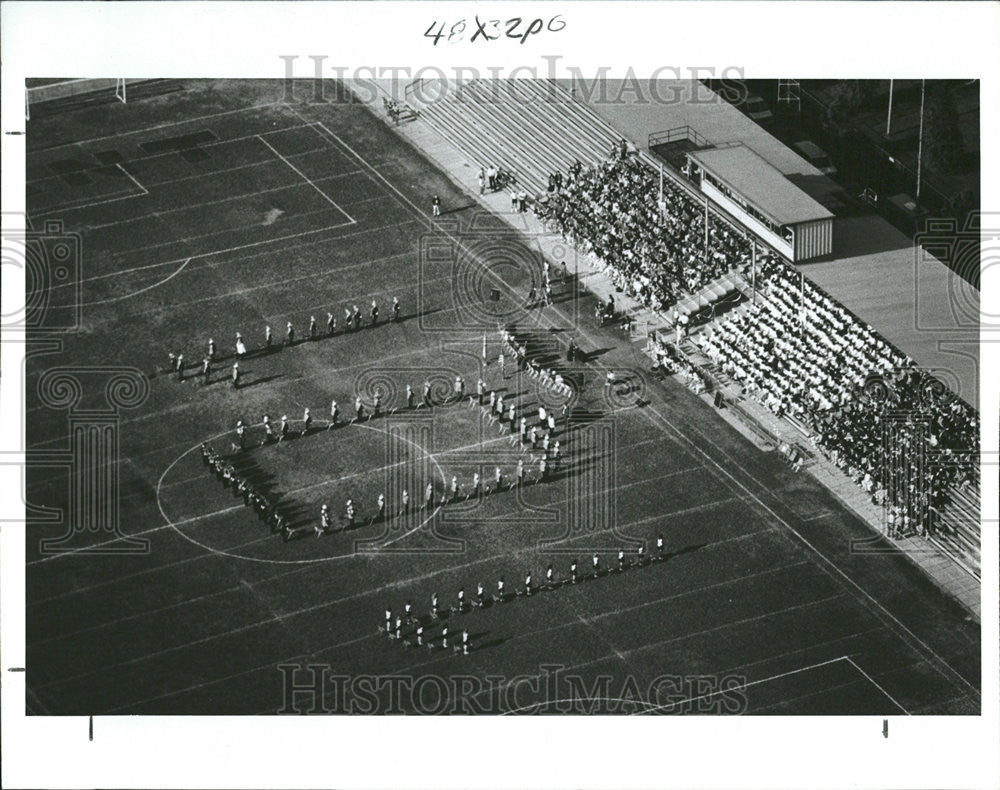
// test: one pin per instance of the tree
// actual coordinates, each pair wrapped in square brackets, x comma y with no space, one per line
[845,100]
[942,137]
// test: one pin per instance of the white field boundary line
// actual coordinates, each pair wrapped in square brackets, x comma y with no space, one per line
[901,628]
[227,199]
[238,292]
[831,566]
[682,637]
[175,261]
[745,686]
[309,181]
[214,144]
[298,569]
[129,295]
[208,254]
[49,210]
[315,607]
[278,104]
[338,645]
[313,486]
[876,684]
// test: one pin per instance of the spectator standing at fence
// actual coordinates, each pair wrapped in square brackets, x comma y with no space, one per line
[482,181]
[436,206]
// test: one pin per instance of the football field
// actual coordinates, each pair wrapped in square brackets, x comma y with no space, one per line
[225,207]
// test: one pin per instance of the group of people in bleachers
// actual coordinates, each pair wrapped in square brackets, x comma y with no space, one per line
[897,433]
[796,350]
[655,254]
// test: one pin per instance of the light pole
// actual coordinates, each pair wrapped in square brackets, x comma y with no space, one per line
[888,118]
[920,139]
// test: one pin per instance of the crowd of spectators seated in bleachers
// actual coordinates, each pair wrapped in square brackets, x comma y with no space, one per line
[797,351]
[657,255]
[896,432]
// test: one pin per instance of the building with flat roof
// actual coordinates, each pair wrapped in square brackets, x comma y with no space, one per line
[760,196]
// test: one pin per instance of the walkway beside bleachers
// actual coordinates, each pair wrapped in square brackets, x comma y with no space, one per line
[472,127]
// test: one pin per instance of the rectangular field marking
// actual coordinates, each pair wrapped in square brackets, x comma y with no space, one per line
[351,220]
[89,204]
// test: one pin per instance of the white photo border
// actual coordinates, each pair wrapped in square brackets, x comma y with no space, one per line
[247,40]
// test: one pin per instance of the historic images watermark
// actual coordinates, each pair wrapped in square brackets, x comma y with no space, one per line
[318,689]
[666,85]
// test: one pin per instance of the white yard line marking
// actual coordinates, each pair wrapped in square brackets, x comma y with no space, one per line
[876,684]
[157,284]
[322,605]
[338,645]
[296,184]
[747,685]
[204,146]
[47,211]
[309,181]
[226,250]
[899,626]
[133,179]
[147,129]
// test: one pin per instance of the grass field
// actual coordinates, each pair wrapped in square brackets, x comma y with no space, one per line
[218,209]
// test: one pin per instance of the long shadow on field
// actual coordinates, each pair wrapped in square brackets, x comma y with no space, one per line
[263,380]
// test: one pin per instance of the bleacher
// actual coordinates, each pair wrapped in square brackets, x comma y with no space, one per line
[959,534]
[535,128]
[486,121]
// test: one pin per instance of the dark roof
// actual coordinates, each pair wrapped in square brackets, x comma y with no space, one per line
[761,184]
